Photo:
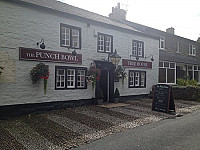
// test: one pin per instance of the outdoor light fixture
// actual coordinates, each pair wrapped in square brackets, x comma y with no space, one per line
[152,59]
[115,58]
[74,53]
[42,45]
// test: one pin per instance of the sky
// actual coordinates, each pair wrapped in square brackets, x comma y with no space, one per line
[182,15]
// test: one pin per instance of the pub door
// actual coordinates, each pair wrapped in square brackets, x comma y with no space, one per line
[106,82]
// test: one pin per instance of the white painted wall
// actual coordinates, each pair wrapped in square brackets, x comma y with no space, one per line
[23,26]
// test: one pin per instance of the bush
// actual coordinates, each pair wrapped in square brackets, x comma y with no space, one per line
[185,82]
[181,82]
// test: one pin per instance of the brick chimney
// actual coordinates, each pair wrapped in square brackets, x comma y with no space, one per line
[170,30]
[117,13]
[198,40]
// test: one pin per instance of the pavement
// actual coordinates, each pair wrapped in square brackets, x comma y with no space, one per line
[181,133]
[72,127]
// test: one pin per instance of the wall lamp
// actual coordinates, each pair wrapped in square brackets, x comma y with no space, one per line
[152,59]
[115,58]
[74,53]
[42,45]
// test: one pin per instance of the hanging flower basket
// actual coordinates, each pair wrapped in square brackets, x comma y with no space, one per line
[40,71]
[93,75]
[120,73]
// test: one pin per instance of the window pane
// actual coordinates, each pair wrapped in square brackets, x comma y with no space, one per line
[137,79]
[170,75]
[142,82]
[108,44]
[71,78]
[60,78]
[75,38]
[81,78]
[162,75]
[166,64]
[172,65]
[100,43]
[196,75]
[139,49]
[131,79]
[65,36]
[134,53]
[160,64]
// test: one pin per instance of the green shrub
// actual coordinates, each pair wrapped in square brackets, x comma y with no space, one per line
[181,82]
[185,82]
[192,82]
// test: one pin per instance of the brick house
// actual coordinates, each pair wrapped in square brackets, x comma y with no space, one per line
[179,57]
[68,40]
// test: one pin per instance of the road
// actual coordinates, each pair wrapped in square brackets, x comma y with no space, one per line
[182,133]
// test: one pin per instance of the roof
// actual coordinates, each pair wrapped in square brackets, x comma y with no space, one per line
[150,30]
[165,56]
[78,12]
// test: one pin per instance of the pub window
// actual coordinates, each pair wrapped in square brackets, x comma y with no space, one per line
[192,50]
[105,43]
[70,36]
[162,43]
[70,78]
[137,79]
[137,48]
[167,72]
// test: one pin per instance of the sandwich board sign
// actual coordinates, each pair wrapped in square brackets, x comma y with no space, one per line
[163,98]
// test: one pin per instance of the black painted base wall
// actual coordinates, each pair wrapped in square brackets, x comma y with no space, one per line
[11,111]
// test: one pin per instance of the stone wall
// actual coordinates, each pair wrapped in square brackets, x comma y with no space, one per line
[186,92]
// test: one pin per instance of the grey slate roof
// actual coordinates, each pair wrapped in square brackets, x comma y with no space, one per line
[65,8]
[165,56]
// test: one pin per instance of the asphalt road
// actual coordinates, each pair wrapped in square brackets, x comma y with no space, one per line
[182,133]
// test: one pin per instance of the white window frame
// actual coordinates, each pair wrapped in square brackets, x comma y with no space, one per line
[75,38]
[178,48]
[104,43]
[140,49]
[137,79]
[162,42]
[59,78]
[100,43]
[108,44]
[69,78]
[80,76]
[131,79]
[192,50]
[70,36]
[166,68]
[66,36]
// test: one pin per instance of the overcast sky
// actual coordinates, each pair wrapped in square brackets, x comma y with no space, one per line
[183,15]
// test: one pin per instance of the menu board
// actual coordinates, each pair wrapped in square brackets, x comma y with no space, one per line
[163,98]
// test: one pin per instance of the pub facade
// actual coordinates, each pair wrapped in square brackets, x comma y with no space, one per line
[76,47]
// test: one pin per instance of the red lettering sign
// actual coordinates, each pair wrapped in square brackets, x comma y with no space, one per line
[136,64]
[44,55]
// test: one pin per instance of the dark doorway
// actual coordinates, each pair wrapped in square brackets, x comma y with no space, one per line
[103,84]
[106,82]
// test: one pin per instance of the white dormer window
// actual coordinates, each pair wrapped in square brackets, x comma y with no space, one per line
[162,43]
[192,50]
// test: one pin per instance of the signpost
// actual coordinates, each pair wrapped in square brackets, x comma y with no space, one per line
[163,98]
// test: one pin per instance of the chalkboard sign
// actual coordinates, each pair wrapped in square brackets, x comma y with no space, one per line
[163,98]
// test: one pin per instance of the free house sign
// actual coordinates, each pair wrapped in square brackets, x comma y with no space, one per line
[136,64]
[45,55]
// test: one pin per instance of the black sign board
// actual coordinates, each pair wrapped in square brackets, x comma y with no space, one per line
[163,98]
